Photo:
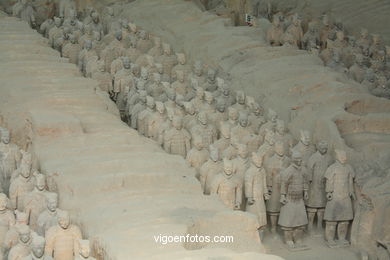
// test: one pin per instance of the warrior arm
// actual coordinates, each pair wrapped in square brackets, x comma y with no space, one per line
[329,180]
[238,194]
[285,179]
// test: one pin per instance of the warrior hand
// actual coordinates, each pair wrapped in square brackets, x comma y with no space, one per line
[266,196]
[305,195]
[283,199]
[329,195]
[251,201]
[353,196]
[237,206]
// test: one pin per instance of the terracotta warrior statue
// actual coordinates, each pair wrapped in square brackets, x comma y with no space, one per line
[272,118]
[209,170]
[227,186]
[340,193]
[21,185]
[103,78]
[293,190]
[23,247]
[145,116]
[177,140]
[241,162]
[180,85]
[12,237]
[49,217]
[197,72]
[71,50]
[168,59]
[256,191]
[219,115]
[61,240]
[211,83]
[317,164]
[267,149]
[7,219]
[275,32]
[144,43]
[10,157]
[224,141]
[282,135]
[157,120]
[207,131]
[38,250]
[304,147]
[182,65]
[84,251]
[232,117]
[35,201]
[278,162]
[198,155]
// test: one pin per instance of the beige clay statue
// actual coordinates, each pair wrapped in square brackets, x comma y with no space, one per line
[198,155]
[227,186]
[84,251]
[177,140]
[339,192]
[49,217]
[209,170]
[293,190]
[61,240]
[23,247]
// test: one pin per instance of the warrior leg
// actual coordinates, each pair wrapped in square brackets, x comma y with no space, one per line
[288,236]
[320,218]
[311,212]
[330,231]
[298,237]
[342,230]
[274,220]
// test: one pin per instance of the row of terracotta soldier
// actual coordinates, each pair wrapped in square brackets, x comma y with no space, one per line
[32,225]
[365,60]
[196,116]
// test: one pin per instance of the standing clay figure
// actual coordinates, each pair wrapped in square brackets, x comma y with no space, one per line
[278,162]
[296,31]
[56,31]
[65,6]
[198,100]
[243,134]
[209,170]
[157,49]
[207,131]
[256,191]
[272,118]
[283,136]
[155,88]
[232,117]
[241,162]
[357,70]
[114,50]
[168,60]
[145,115]
[211,83]
[21,186]
[140,106]
[71,50]
[325,32]
[85,56]
[84,251]
[220,115]
[49,217]
[7,219]
[304,147]
[182,65]
[46,26]
[240,104]
[156,121]
[35,201]
[103,78]
[144,43]
[208,106]
[317,164]
[180,85]
[339,192]
[364,40]
[275,32]
[336,63]
[123,82]
[293,191]
[267,149]
[311,39]
[12,237]
[177,140]
[27,13]
[38,250]
[9,158]
[23,247]
[256,117]
[226,96]
[228,187]
[117,65]
[198,155]
[61,240]
[224,141]
[197,72]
